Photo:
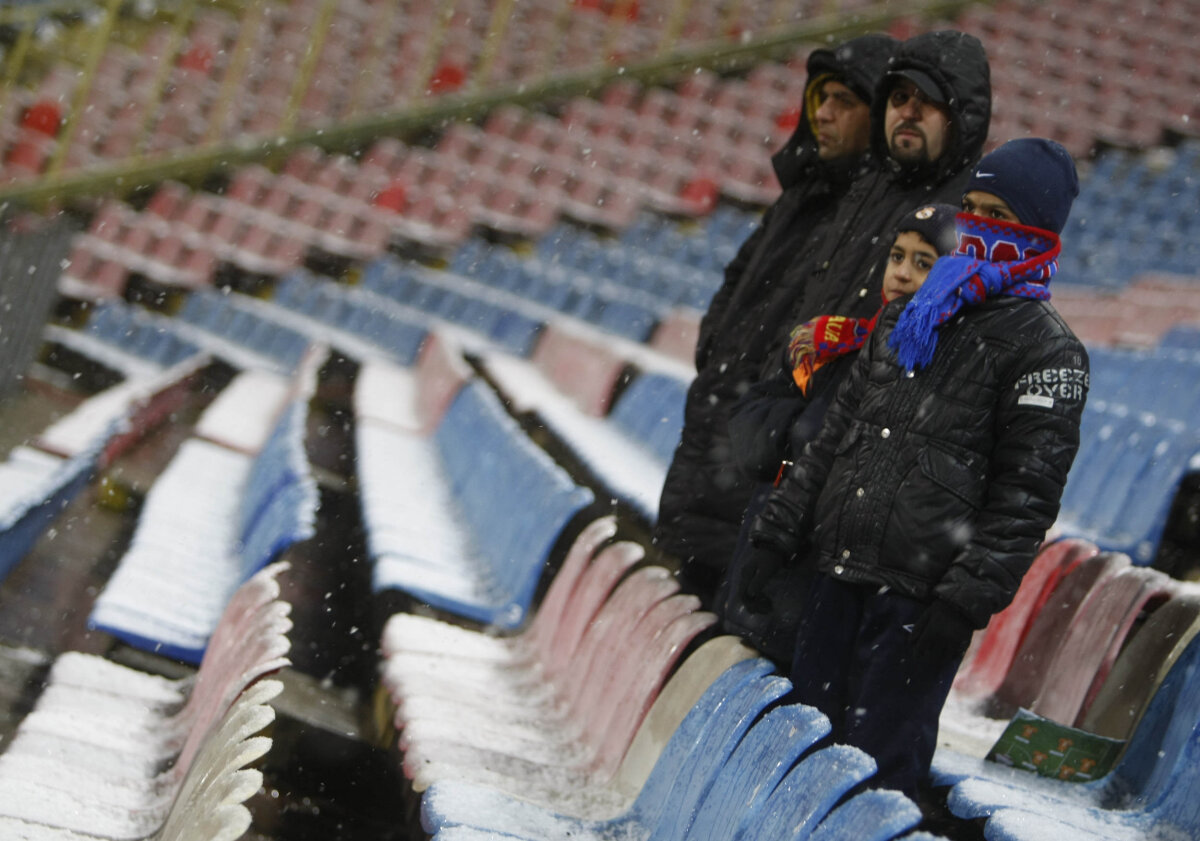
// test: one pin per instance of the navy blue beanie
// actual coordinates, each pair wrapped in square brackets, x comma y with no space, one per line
[1035,177]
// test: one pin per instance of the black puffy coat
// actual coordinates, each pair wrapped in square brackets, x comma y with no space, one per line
[774,420]
[943,482]
[704,496]
[815,253]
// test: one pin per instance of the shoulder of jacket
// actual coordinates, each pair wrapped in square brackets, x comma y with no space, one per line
[1027,326]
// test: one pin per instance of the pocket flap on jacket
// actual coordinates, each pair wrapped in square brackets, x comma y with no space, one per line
[962,474]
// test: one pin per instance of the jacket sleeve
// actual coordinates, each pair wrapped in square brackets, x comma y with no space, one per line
[720,301]
[1037,435]
[786,520]
[759,424]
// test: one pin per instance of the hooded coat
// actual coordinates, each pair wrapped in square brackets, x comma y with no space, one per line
[704,495]
[820,249]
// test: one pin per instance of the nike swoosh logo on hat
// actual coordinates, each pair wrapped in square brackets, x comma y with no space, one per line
[985,175]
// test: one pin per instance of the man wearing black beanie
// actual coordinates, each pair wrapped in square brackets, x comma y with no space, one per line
[939,469]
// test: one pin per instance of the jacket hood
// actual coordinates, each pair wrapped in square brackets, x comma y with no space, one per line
[859,64]
[957,64]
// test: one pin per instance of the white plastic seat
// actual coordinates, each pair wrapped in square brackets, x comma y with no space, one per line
[90,756]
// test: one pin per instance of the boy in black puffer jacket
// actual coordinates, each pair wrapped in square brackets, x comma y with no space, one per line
[773,422]
[939,469]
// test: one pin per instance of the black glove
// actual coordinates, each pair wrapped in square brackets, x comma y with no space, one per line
[762,563]
[941,632]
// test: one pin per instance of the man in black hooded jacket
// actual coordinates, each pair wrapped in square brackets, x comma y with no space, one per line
[820,249]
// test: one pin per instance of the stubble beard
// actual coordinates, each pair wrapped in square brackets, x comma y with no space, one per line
[915,151]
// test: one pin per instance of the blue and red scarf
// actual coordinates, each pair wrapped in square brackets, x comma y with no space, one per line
[993,258]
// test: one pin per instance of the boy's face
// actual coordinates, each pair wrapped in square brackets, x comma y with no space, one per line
[908,265]
[979,203]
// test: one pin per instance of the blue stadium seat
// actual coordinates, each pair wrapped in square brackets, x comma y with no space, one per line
[757,765]
[1125,478]
[470,258]
[176,349]
[110,321]
[873,815]
[807,794]
[625,318]
[203,309]
[651,411]
[1136,526]
[478,315]
[517,333]
[1100,431]
[1182,337]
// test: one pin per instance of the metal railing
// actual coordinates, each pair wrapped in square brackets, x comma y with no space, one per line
[32,248]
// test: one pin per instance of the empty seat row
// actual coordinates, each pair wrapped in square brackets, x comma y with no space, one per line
[1158,382]
[220,315]
[138,332]
[347,319]
[627,468]
[1182,337]
[1126,474]
[1134,200]
[463,519]
[223,76]
[112,752]
[213,518]
[1076,71]
[617,309]
[506,320]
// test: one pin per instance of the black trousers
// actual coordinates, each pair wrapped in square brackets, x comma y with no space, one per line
[773,633]
[854,662]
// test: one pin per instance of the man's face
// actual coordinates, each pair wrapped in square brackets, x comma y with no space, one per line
[843,122]
[916,128]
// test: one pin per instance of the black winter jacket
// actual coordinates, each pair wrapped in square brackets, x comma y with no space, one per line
[774,420]
[704,496]
[774,258]
[941,483]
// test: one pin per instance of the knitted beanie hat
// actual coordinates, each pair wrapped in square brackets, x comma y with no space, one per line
[935,224]
[1035,177]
